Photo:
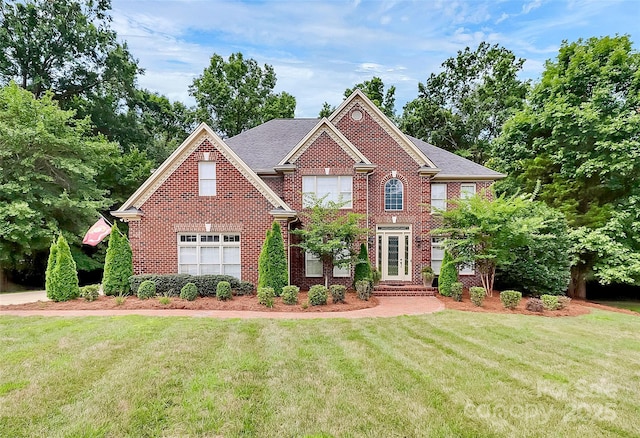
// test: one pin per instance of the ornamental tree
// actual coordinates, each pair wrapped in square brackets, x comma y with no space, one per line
[329,233]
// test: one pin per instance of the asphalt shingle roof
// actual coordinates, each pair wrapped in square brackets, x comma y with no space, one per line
[264,146]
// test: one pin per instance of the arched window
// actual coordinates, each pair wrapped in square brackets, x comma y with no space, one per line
[393,192]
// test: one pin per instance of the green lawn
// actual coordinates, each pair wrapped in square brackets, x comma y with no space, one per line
[629,305]
[450,374]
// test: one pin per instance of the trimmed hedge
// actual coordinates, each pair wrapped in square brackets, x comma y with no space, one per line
[510,298]
[363,289]
[290,294]
[534,305]
[265,296]
[189,292]
[147,290]
[477,295]
[172,284]
[456,291]
[550,302]
[318,295]
[223,291]
[338,292]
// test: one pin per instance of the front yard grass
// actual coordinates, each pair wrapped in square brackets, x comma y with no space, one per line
[450,374]
[629,305]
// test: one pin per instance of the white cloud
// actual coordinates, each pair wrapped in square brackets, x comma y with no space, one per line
[535,4]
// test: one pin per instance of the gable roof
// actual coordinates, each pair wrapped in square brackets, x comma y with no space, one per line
[171,164]
[454,167]
[324,126]
[358,97]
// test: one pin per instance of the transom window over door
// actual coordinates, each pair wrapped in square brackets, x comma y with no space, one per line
[393,194]
[336,188]
[202,254]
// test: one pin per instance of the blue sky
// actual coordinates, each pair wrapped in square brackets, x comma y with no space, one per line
[319,48]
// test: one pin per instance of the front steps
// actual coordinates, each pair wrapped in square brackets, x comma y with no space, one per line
[403,290]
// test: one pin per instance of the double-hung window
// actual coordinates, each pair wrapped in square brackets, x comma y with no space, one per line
[336,188]
[467,190]
[437,254]
[202,254]
[313,266]
[438,197]
[207,178]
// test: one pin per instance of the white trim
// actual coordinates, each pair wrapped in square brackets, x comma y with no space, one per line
[218,245]
[179,156]
[308,257]
[384,122]
[324,126]
[434,208]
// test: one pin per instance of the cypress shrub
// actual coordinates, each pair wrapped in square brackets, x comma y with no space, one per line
[51,264]
[278,272]
[363,267]
[448,275]
[118,264]
[263,262]
[64,279]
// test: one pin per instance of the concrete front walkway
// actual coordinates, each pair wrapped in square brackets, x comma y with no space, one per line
[387,307]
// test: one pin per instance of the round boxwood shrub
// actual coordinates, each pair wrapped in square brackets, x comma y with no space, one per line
[147,290]
[265,296]
[189,292]
[563,302]
[318,295]
[290,294]
[223,291]
[550,302]
[338,292]
[477,295]
[90,292]
[456,291]
[510,298]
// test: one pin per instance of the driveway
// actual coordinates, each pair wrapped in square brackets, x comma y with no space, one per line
[23,297]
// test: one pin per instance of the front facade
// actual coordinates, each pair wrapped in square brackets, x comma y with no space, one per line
[207,208]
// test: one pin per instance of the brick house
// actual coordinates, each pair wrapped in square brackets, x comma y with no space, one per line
[207,208]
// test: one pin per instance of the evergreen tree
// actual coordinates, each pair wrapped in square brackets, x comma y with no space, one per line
[363,267]
[51,264]
[118,265]
[64,284]
[448,275]
[263,262]
[278,272]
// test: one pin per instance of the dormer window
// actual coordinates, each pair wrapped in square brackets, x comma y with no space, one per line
[393,195]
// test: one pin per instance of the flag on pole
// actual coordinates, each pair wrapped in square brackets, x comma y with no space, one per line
[97,233]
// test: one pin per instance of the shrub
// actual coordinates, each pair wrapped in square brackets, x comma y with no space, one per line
[477,295]
[265,296]
[338,292]
[563,301]
[51,264]
[189,292]
[90,292]
[173,283]
[362,270]
[120,299]
[510,298]
[534,305]
[272,262]
[363,289]
[146,290]
[118,264]
[223,291]
[550,302]
[448,275]
[164,300]
[64,278]
[290,294]
[318,295]
[456,291]
[376,276]
[245,288]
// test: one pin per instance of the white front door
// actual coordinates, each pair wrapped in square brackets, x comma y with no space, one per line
[394,252]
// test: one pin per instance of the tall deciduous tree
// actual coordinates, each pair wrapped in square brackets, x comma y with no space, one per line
[48,163]
[237,94]
[579,135]
[462,109]
[329,233]
[374,90]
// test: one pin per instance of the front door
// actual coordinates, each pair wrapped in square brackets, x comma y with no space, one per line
[394,252]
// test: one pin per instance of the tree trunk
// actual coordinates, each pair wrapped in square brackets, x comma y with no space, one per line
[4,283]
[578,284]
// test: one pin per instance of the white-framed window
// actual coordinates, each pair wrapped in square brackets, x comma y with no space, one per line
[207,178]
[203,254]
[467,190]
[437,254]
[467,269]
[438,197]
[342,271]
[312,265]
[336,188]
[393,195]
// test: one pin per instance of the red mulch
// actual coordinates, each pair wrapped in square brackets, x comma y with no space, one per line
[492,304]
[237,303]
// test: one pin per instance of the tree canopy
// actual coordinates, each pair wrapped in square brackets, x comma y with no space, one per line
[48,164]
[237,94]
[579,135]
[374,90]
[462,108]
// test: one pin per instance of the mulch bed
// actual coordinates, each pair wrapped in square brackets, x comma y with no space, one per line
[237,303]
[492,304]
